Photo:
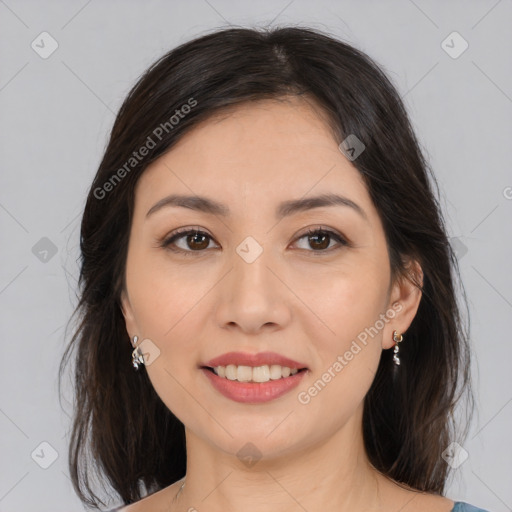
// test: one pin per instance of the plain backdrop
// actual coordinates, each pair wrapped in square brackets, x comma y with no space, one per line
[56,112]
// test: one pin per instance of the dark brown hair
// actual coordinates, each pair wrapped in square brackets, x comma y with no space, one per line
[121,430]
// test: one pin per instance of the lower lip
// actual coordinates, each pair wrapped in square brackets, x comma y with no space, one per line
[253,392]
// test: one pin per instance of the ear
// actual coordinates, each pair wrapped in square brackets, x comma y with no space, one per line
[405,297]
[129,317]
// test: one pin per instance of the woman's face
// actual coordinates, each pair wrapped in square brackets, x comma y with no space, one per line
[254,281]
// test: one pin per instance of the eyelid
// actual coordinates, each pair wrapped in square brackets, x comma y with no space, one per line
[168,240]
[334,234]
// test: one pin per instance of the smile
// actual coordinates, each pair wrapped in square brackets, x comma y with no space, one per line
[264,373]
[241,384]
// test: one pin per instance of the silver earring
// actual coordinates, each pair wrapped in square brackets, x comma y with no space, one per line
[137,356]
[397,338]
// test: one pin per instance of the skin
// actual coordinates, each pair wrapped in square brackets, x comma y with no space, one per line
[293,299]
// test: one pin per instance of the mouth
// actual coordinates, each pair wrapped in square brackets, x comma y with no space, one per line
[253,384]
[255,374]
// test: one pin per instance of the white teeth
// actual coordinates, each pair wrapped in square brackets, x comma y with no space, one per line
[275,372]
[254,374]
[244,373]
[231,372]
[260,374]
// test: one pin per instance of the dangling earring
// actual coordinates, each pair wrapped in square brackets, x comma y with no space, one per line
[397,339]
[137,356]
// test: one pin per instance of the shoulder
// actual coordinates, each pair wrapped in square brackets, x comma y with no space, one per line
[157,502]
[461,506]
[425,502]
[412,500]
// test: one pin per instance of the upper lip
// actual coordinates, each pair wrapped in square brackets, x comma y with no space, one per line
[260,359]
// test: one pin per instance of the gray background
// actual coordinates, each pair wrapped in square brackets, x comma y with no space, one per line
[55,117]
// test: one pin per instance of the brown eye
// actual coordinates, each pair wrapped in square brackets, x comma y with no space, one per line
[320,239]
[197,241]
[192,240]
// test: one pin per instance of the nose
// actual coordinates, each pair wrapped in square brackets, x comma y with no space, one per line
[253,296]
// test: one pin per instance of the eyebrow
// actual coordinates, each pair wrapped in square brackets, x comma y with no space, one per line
[284,209]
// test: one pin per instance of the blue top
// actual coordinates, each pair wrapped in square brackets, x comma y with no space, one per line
[460,506]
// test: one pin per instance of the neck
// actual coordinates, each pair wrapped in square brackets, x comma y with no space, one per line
[332,474]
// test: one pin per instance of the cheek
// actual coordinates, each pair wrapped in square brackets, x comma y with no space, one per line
[164,302]
[346,361]
[345,331]
[163,295]
[343,300]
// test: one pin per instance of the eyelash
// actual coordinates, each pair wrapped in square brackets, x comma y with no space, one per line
[181,233]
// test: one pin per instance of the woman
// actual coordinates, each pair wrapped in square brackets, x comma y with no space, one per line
[263,238]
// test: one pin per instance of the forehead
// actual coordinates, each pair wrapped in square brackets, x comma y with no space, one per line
[262,128]
[267,149]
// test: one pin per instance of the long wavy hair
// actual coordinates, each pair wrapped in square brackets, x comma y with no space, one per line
[122,432]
